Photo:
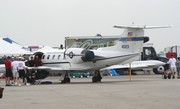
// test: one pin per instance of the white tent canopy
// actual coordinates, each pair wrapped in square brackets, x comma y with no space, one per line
[9,47]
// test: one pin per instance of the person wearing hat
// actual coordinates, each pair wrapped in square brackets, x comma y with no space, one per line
[8,71]
[173,64]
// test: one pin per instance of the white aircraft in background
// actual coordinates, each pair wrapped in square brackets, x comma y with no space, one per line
[11,48]
[66,61]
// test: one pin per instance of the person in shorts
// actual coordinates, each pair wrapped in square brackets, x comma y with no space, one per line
[15,72]
[172,64]
[22,71]
[8,71]
[178,66]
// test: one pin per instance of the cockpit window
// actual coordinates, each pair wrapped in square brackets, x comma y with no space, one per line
[148,52]
[58,57]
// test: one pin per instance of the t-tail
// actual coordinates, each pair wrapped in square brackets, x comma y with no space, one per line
[132,38]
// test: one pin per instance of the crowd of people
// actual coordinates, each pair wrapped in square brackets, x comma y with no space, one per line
[16,70]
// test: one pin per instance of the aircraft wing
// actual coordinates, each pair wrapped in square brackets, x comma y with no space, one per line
[53,68]
[127,66]
[139,65]
[2,66]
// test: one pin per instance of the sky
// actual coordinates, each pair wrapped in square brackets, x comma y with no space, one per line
[48,22]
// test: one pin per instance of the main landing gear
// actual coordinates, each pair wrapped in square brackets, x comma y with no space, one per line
[97,76]
[65,78]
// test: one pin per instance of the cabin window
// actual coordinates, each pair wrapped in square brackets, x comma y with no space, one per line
[58,57]
[43,56]
[53,57]
[48,56]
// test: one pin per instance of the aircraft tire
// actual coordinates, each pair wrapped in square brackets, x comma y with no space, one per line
[94,79]
[155,70]
[62,81]
[165,77]
[169,76]
[66,80]
[1,96]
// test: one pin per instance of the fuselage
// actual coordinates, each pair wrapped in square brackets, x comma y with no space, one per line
[62,59]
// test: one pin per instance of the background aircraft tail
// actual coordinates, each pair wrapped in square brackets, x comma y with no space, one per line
[132,38]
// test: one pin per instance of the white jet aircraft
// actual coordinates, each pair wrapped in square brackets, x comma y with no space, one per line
[78,59]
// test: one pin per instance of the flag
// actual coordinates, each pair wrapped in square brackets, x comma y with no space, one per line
[130,33]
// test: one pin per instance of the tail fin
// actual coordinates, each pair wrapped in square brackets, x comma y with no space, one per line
[132,38]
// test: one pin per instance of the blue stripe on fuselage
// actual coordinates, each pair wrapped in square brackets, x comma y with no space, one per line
[131,39]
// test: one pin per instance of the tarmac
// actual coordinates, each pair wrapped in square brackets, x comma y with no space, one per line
[142,92]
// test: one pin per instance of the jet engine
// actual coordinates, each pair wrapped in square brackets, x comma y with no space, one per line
[79,55]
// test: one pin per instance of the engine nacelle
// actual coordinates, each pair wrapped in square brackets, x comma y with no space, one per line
[161,69]
[79,55]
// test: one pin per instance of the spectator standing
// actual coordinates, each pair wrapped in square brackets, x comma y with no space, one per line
[8,71]
[172,64]
[31,63]
[38,61]
[15,72]
[178,66]
[22,72]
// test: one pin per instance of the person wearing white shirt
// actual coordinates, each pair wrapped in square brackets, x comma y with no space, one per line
[172,64]
[22,71]
[15,72]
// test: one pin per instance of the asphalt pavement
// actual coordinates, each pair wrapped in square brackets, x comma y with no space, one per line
[143,92]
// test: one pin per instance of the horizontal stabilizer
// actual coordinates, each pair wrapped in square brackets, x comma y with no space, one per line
[142,26]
